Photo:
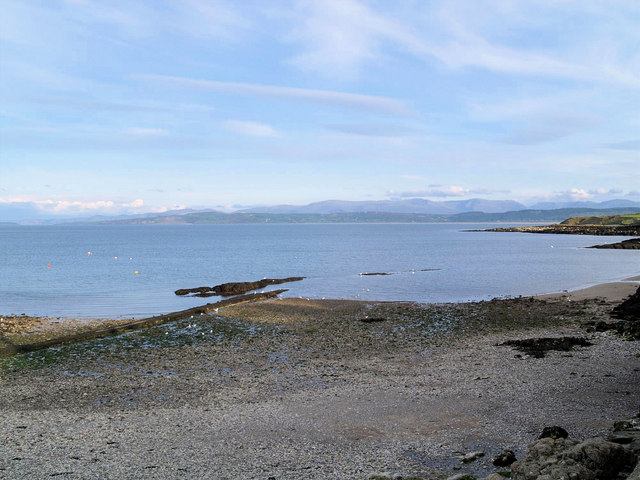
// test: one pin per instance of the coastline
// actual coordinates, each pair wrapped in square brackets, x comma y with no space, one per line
[294,389]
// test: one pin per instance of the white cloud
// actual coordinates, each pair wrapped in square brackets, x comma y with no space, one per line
[54,206]
[253,129]
[331,98]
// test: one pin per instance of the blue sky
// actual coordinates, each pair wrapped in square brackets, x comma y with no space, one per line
[132,106]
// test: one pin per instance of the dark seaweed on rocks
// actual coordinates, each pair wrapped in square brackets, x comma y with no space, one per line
[629,309]
[538,347]
[234,288]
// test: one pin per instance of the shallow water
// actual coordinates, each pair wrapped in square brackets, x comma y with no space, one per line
[429,262]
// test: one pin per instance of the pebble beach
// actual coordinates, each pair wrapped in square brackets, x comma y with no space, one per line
[331,389]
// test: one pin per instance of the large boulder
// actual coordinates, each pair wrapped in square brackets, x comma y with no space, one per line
[561,458]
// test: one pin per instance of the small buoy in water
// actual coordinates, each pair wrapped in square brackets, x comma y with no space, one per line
[136,272]
[48,265]
[89,254]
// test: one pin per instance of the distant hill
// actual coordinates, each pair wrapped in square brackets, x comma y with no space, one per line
[214,217]
[628,219]
[472,210]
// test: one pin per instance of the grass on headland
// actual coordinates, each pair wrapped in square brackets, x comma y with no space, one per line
[625,219]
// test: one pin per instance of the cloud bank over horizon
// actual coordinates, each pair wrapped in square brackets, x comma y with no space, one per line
[119,107]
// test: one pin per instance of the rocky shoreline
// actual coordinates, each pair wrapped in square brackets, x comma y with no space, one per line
[618,230]
[297,389]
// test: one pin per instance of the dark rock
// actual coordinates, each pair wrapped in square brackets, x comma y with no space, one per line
[538,347]
[554,432]
[632,244]
[234,288]
[622,425]
[593,459]
[629,329]
[197,290]
[629,309]
[372,320]
[506,458]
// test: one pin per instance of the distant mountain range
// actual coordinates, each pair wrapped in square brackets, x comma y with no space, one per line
[414,205]
[419,205]
[520,216]
[406,210]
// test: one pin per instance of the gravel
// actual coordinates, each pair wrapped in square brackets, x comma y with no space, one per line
[296,389]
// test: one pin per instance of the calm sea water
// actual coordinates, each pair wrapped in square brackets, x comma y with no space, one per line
[429,262]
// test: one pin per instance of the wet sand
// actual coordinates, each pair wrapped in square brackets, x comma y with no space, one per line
[293,389]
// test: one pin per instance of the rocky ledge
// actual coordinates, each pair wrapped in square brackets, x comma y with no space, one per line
[632,244]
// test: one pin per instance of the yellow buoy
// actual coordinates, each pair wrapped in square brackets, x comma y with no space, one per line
[136,272]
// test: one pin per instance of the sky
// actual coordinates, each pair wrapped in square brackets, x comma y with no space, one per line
[138,106]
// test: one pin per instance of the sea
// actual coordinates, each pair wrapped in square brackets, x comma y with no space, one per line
[132,271]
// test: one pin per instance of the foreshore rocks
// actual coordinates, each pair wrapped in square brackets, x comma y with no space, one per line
[629,309]
[628,313]
[234,288]
[622,230]
[592,459]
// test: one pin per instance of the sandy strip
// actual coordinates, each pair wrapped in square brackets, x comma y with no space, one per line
[609,292]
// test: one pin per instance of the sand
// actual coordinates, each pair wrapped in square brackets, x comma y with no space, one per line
[610,292]
[296,389]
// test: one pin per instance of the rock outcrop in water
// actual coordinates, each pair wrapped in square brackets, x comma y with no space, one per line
[234,288]
[631,244]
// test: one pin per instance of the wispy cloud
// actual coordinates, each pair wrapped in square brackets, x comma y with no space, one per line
[338,37]
[549,128]
[371,103]
[253,129]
